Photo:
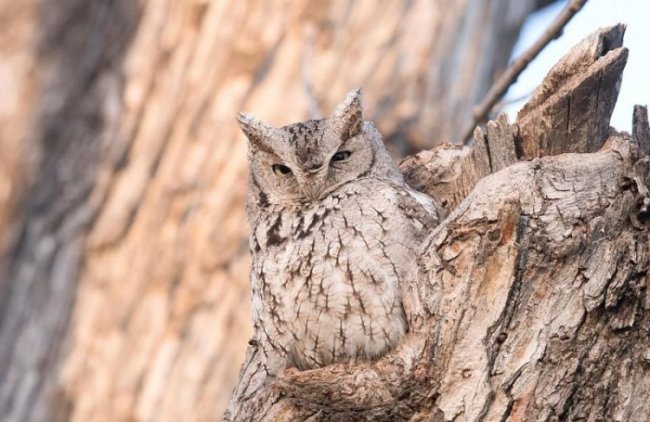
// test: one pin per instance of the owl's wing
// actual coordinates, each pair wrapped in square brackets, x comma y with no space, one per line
[271,358]
[420,207]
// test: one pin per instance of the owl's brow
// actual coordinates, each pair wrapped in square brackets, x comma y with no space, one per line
[270,149]
[262,147]
[322,135]
[297,129]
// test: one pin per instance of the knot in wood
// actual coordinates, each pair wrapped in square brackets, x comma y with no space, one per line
[494,235]
[643,209]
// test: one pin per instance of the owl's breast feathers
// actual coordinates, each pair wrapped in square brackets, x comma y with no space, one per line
[356,206]
[327,277]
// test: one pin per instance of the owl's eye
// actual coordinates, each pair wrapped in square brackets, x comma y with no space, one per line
[341,155]
[281,169]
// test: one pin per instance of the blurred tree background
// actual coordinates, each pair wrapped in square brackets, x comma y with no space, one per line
[123,241]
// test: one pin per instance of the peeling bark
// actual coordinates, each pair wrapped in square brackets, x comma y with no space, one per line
[571,109]
[533,300]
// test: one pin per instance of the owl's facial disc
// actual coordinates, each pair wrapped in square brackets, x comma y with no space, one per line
[303,162]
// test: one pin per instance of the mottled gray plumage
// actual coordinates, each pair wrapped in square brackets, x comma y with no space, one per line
[335,238]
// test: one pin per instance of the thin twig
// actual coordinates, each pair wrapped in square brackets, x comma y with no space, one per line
[512,73]
[508,101]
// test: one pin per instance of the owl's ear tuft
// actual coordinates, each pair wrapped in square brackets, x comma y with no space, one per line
[259,134]
[349,114]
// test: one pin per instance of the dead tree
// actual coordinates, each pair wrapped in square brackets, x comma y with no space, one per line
[533,300]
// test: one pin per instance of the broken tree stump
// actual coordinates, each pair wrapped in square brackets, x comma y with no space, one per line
[532,301]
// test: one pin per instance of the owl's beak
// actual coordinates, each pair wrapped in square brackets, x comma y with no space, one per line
[313,192]
[312,187]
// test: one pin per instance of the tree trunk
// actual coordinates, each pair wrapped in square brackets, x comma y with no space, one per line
[123,289]
[533,300]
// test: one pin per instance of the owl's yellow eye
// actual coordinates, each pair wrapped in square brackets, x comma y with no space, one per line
[341,155]
[281,169]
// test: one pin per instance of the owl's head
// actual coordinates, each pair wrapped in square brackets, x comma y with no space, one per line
[303,162]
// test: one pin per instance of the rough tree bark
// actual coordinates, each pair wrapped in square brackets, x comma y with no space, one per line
[533,300]
[123,287]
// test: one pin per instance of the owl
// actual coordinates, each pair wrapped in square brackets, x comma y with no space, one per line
[335,239]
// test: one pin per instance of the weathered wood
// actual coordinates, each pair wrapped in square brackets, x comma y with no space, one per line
[501,142]
[641,128]
[433,171]
[450,173]
[571,109]
[481,154]
[501,85]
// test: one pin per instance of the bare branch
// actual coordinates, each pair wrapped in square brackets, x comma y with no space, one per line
[519,65]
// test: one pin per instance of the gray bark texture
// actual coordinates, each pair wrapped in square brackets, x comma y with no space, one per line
[533,300]
[124,290]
